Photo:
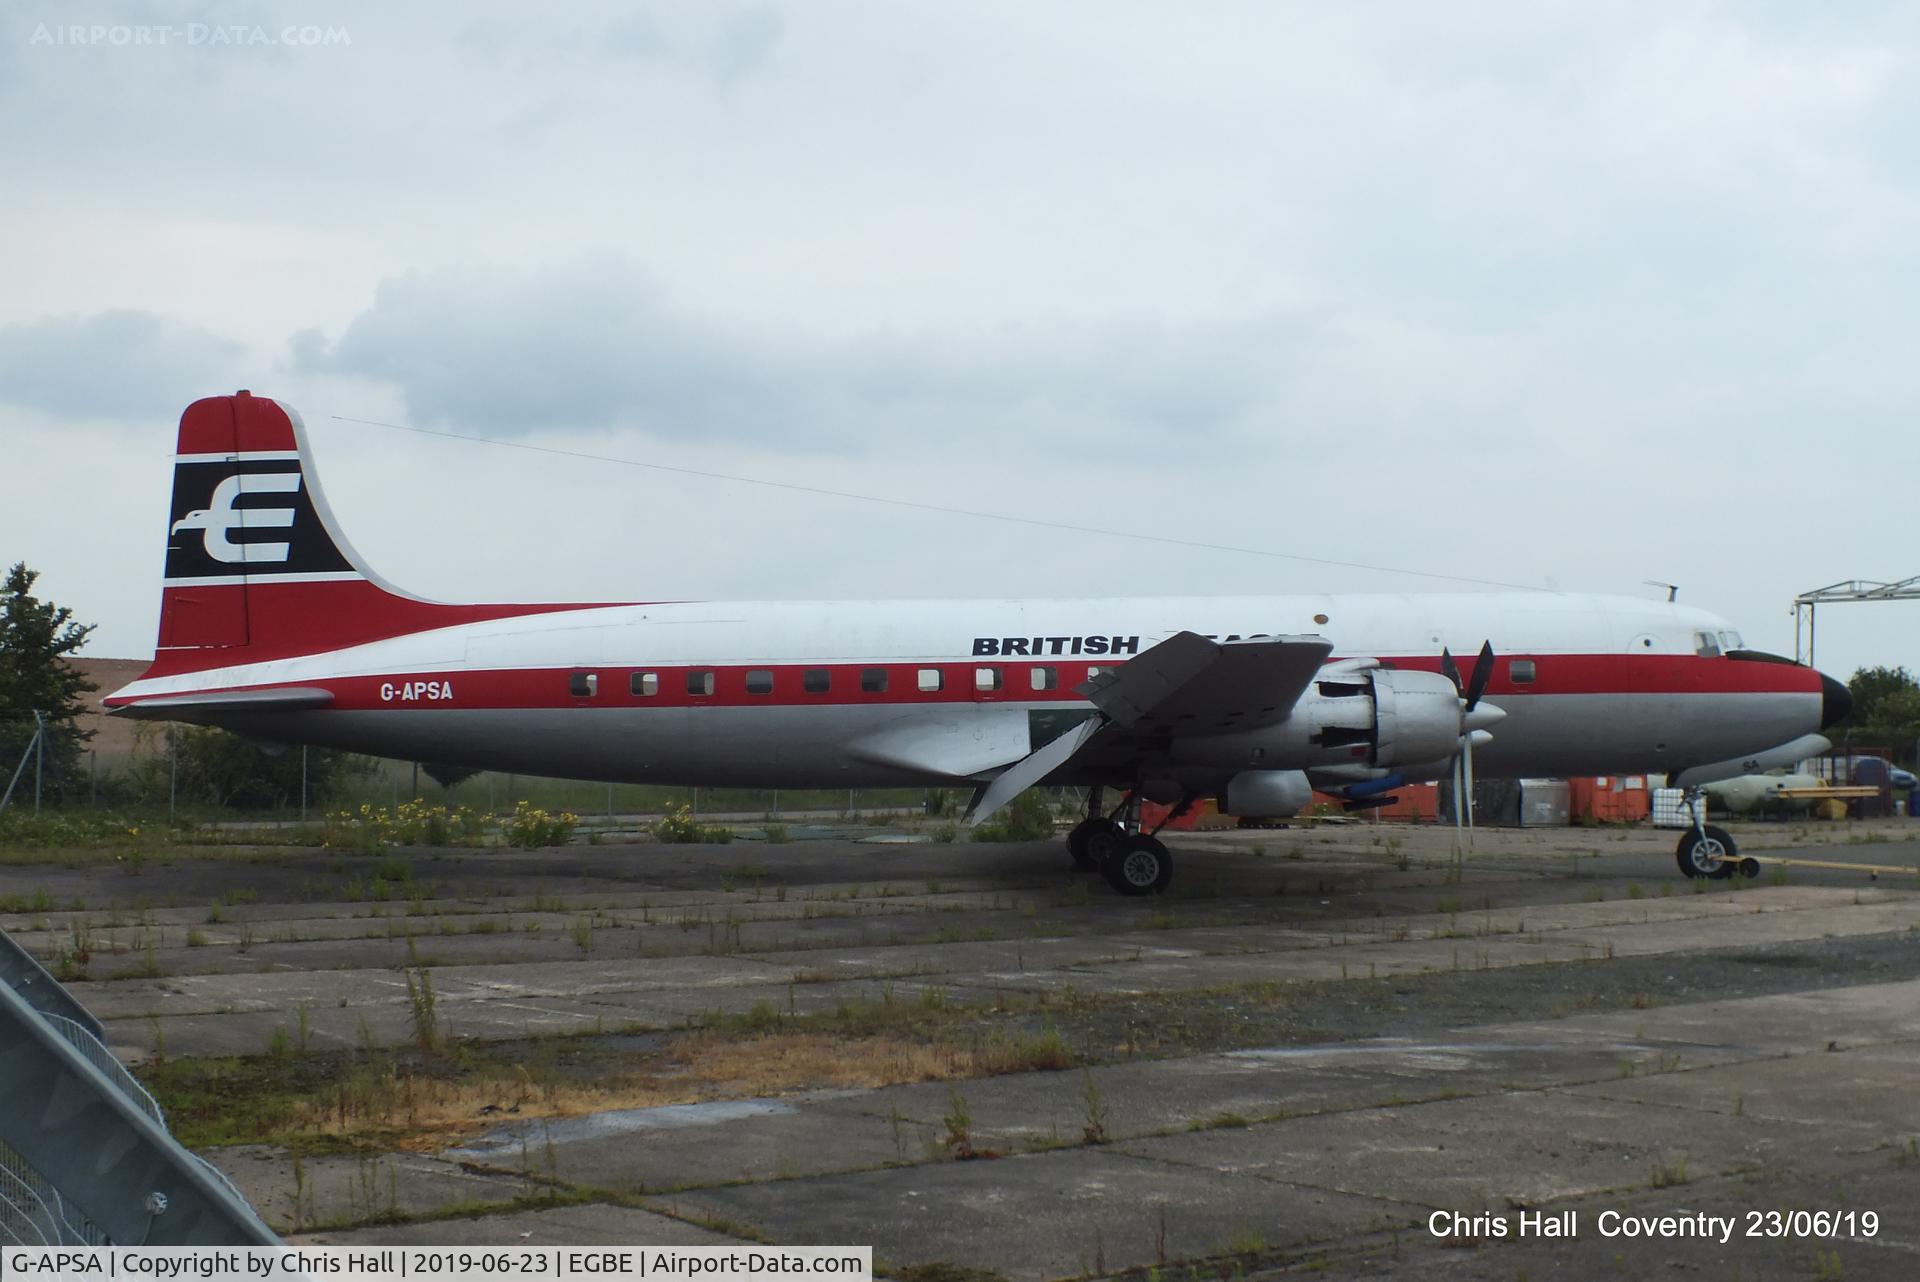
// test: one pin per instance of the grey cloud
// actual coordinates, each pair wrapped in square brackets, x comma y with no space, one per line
[112,363]
[597,343]
[746,39]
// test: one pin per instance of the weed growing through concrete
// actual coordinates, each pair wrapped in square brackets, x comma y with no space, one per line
[1670,1172]
[1094,1112]
[422,1011]
[959,1124]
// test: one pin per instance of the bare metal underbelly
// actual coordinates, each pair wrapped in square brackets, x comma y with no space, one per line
[800,747]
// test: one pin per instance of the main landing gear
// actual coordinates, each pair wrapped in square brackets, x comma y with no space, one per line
[1133,862]
[1707,850]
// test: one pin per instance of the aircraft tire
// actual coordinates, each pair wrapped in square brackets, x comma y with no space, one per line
[1092,840]
[1138,865]
[1697,849]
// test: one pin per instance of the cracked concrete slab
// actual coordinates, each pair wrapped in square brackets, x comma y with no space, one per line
[1042,1216]
[691,1145]
[294,1192]
[591,1224]
[1482,1153]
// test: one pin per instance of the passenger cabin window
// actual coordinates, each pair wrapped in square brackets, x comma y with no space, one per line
[759,681]
[644,684]
[986,678]
[873,680]
[1520,672]
[1706,645]
[584,685]
[816,681]
[1098,670]
[700,681]
[931,679]
[1045,678]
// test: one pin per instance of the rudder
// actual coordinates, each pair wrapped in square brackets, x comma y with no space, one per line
[245,513]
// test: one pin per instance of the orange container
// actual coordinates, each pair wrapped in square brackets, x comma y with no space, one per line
[1151,813]
[1609,799]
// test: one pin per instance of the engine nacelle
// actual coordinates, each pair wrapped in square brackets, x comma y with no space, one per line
[1417,717]
[1267,794]
[1361,722]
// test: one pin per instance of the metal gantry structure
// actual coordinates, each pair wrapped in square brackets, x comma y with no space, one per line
[1805,623]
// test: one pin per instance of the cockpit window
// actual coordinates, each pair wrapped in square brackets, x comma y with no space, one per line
[1730,641]
[1706,645]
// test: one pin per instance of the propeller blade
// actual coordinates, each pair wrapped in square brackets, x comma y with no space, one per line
[1457,801]
[1466,769]
[1482,674]
[1450,669]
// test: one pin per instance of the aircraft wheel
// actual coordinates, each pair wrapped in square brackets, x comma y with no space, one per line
[1700,853]
[1092,841]
[1138,865]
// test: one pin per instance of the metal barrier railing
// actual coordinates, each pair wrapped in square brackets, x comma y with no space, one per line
[103,1059]
[66,1103]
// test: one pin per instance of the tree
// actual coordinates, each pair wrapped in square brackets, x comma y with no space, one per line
[1886,710]
[35,639]
[224,771]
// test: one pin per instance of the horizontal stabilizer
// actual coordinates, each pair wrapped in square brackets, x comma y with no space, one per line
[272,700]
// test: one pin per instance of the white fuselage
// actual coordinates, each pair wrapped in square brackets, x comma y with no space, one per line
[1617,684]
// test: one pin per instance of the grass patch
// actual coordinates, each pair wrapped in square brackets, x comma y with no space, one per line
[426,1097]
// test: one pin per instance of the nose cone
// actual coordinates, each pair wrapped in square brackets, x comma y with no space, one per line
[1836,701]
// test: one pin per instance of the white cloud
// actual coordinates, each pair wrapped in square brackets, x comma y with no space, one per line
[597,343]
[112,363]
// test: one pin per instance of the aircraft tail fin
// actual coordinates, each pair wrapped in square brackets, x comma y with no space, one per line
[257,568]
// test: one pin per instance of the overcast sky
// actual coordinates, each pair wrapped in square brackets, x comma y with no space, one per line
[1566,295]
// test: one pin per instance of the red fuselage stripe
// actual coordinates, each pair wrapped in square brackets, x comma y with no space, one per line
[785,683]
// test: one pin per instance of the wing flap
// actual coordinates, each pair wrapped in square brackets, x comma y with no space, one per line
[1030,770]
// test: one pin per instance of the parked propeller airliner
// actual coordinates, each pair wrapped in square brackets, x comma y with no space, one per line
[272,626]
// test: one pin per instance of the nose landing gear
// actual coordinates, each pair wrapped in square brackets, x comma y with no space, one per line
[1709,851]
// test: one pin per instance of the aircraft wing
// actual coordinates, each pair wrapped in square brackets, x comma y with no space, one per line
[1190,685]
[1185,685]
